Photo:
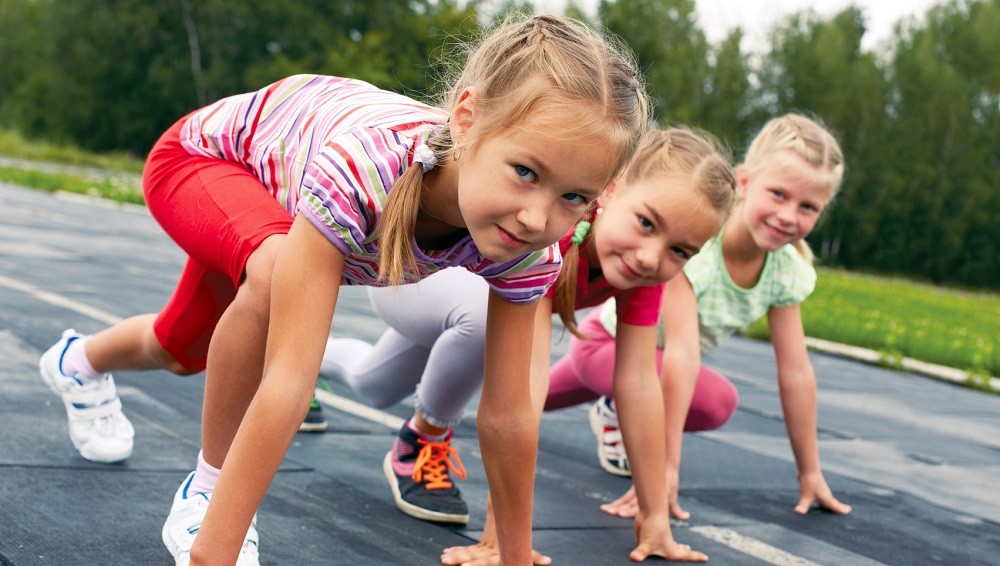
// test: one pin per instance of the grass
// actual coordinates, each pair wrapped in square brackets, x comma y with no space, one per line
[13,144]
[901,318]
[118,188]
[893,316]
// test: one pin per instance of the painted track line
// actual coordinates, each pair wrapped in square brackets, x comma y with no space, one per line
[751,546]
[60,301]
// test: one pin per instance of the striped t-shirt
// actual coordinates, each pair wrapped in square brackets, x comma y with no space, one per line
[330,148]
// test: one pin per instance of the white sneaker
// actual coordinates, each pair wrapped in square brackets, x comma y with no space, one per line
[610,447]
[97,426]
[184,521]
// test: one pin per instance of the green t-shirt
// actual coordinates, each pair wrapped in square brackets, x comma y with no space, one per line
[723,307]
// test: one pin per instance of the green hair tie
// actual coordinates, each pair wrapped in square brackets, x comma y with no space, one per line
[580,232]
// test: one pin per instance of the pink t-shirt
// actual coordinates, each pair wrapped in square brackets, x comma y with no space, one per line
[641,304]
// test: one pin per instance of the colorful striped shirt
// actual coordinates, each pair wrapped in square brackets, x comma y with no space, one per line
[331,148]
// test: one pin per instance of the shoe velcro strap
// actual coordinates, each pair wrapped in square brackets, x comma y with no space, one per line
[252,535]
[92,396]
[98,412]
[182,536]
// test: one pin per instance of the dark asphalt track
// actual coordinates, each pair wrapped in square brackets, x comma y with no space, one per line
[918,459]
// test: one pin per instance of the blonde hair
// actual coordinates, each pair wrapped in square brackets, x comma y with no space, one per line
[806,138]
[526,64]
[665,154]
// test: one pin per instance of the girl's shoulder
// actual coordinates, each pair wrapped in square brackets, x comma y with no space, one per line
[794,276]
[707,266]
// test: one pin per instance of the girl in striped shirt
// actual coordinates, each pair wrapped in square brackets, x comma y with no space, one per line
[280,196]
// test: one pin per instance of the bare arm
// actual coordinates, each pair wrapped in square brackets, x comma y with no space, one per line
[296,339]
[797,387]
[508,425]
[486,552]
[639,401]
[681,361]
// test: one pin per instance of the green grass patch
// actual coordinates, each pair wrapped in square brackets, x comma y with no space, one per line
[14,145]
[900,318]
[119,188]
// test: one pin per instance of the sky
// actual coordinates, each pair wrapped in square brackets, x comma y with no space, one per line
[716,17]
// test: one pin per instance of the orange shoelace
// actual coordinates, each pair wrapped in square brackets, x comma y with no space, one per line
[433,463]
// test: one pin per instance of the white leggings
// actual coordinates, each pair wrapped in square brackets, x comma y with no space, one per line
[434,346]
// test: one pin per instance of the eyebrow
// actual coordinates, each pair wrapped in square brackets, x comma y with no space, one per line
[661,221]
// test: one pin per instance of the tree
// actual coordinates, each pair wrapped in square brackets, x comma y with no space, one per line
[671,50]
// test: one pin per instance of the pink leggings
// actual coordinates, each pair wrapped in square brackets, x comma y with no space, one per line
[586,372]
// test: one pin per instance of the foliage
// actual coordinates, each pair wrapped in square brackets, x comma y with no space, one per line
[14,145]
[115,187]
[903,318]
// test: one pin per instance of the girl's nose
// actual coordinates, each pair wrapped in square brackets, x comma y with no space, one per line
[534,215]
[647,256]
[786,213]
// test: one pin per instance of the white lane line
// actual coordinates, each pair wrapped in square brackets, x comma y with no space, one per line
[59,301]
[751,546]
[728,537]
[359,410]
[336,401]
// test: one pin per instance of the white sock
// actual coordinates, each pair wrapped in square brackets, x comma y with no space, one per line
[205,477]
[412,423]
[75,362]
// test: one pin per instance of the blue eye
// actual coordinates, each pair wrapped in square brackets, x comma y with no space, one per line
[524,173]
[574,198]
[646,224]
[681,253]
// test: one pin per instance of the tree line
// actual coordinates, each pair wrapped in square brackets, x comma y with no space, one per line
[917,116]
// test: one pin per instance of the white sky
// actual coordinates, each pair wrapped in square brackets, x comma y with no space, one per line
[716,17]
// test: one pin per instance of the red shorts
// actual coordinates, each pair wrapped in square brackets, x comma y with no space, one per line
[218,212]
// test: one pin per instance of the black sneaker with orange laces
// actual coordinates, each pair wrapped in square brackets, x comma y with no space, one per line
[418,473]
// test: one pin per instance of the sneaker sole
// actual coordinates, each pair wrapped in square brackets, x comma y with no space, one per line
[50,380]
[413,510]
[598,430]
[314,427]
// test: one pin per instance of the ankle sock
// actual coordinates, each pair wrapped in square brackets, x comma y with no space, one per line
[205,477]
[429,437]
[75,362]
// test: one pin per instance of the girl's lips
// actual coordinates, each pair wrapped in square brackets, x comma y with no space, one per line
[777,233]
[629,272]
[510,240]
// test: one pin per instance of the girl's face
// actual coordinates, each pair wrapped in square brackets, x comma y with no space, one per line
[523,189]
[649,229]
[781,200]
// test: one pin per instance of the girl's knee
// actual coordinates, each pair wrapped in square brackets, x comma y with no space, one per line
[167,361]
[260,265]
[711,409]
